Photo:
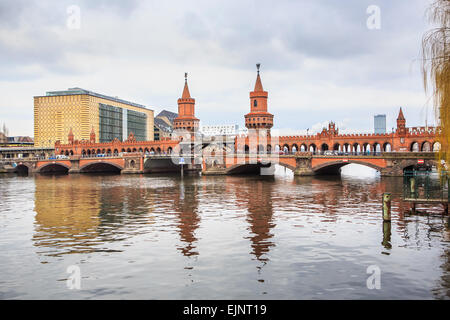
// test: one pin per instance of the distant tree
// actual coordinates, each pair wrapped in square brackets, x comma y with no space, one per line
[436,69]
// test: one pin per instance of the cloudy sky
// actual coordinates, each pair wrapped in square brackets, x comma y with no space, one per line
[320,61]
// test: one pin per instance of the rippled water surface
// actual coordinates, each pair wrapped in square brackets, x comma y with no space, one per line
[224,237]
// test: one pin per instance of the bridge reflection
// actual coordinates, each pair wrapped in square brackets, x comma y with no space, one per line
[108,214]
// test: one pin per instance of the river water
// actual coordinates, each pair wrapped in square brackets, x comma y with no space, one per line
[217,237]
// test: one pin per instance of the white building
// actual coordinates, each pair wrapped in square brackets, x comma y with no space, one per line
[221,129]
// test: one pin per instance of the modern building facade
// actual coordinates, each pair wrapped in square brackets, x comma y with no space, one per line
[80,110]
[379,123]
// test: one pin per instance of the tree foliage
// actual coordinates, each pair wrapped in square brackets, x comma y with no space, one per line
[436,69]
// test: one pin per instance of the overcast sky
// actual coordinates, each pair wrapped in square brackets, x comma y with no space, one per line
[319,60]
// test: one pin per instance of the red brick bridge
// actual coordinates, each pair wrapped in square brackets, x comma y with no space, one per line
[301,163]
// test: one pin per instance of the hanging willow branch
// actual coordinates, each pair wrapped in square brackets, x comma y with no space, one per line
[436,71]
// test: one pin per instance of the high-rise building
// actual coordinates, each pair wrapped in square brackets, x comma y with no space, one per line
[56,113]
[379,123]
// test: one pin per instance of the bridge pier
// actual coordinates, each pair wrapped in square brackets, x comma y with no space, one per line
[74,165]
[133,164]
[303,166]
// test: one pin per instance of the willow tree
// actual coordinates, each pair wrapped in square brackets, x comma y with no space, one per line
[436,71]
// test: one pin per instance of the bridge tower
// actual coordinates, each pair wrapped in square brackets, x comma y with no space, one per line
[186,120]
[92,136]
[70,136]
[259,118]
[401,123]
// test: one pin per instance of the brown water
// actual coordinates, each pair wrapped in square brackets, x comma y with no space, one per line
[225,237]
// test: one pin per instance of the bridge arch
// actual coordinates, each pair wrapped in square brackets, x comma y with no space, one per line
[332,167]
[367,148]
[303,147]
[412,164]
[246,168]
[436,146]
[312,148]
[294,148]
[387,147]
[22,170]
[415,147]
[51,168]
[376,147]
[324,147]
[260,149]
[336,147]
[426,146]
[103,166]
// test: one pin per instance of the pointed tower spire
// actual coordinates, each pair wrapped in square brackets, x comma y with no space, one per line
[401,123]
[92,135]
[258,84]
[186,94]
[70,136]
[400,115]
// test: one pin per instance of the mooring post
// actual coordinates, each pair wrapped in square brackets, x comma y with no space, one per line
[387,235]
[386,206]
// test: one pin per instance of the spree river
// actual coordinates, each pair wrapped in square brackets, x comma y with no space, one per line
[217,237]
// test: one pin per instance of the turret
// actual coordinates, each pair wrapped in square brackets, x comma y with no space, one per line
[401,123]
[186,119]
[92,136]
[259,118]
[70,137]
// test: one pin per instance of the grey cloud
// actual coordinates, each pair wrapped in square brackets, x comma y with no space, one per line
[298,42]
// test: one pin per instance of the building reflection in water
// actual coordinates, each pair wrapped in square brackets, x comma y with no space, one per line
[256,196]
[77,214]
[67,214]
[186,206]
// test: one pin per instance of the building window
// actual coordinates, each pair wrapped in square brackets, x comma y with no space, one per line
[137,123]
[255,103]
[110,119]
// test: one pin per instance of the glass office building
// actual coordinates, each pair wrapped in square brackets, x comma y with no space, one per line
[379,124]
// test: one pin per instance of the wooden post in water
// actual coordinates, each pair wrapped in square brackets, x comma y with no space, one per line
[386,206]
[182,170]
[386,235]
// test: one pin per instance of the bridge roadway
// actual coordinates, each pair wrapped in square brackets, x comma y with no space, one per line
[301,163]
